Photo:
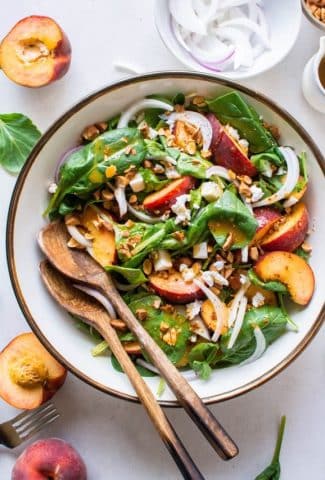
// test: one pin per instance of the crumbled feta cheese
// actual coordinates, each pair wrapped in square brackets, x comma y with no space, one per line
[258,300]
[137,183]
[244,254]
[193,309]
[280,171]
[163,261]
[210,278]
[199,327]
[200,250]
[172,173]
[210,191]
[193,338]
[52,188]
[183,214]
[257,193]
[243,143]
[152,133]
[232,132]
[219,264]
[242,279]
[188,274]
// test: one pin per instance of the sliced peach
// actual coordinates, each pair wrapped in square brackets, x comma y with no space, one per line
[269,296]
[29,374]
[166,197]
[289,269]
[266,218]
[288,232]
[227,152]
[209,317]
[103,238]
[174,289]
[35,52]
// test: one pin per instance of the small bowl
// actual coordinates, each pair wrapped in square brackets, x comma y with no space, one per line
[55,328]
[284,19]
[311,17]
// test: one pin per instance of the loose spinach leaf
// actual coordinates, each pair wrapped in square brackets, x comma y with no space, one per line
[144,372]
[273,471]
[232,109]
[264,161]
[202,359]
[274,286]
[202,369]
[195,200]
[84,171]
[134,276]
[271,320]
[100,348]
[18,136]
[301,253]
[152,182]
[195,166]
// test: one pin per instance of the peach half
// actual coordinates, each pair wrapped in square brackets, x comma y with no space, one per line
[35,52]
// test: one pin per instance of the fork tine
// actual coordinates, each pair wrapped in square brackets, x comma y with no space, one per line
[27,413]
[35,416]
[40,426]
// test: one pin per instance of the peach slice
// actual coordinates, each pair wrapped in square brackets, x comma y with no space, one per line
[174,289]
[227,152]
[35,52]
[209,317]
[288,232]
[266,218]
[289,269]
[103,239]
[29,374]
[166,197]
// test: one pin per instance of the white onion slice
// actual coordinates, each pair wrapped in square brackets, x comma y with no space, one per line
[180,34]
[238,322]
[197,119]
[78,237]
[92,292]
[144,217]
[182,11]
[120,197]
[210,49]
[218,171]
[199,327]
[220,309]
[292,177]
[260,347]
[244,254]
[188,375]
[126,288]
[141,105]
[235,303]
[290,202]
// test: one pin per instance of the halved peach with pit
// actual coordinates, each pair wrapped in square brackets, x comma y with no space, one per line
[35,52]
[29,374]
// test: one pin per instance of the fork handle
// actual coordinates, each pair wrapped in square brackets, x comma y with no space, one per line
[170,438]
[187,397]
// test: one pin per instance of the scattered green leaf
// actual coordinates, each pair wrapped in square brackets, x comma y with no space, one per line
[273,471]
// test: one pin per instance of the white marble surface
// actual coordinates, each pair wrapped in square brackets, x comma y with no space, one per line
[115,437]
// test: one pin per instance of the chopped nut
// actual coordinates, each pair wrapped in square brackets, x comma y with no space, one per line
[102,126]
[230,257]
[170,337]
[72,220]
[72,243]
[167,308]
[199,101]
[229,241]
[147,266]
[245,190]
[190,148]
[121,181]
[107,195]
[186,261]
[164,326]
[158,168]
[90,133]
[206,153]
[196,267]
[306,247]
[232,175]
[245,179]
[215,290]
[228,271]
[108,205]
[147,164]
[110,171]
[253,253]
[141,314]
[129,224]
[178,235]
[133,199]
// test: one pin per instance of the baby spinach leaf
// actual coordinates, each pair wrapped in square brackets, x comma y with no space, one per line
[100,348]
[151,180]
[273,471]
[264,161]
[232,109]
[18,136]
[301,253]
[202,369]
[274,286]
[271,320]
[202,358]
[134,276]
[161,387]
[195,166]
[144,372]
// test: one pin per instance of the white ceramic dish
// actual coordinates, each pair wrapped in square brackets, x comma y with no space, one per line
[283,17]
[56,329]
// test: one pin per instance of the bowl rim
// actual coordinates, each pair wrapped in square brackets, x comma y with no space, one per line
[244,75]
[24,174]
[317,23]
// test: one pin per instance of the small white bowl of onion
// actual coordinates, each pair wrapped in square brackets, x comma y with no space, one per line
[229,38]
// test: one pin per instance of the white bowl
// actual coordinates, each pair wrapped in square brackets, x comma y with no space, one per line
[283,18]
[55,328]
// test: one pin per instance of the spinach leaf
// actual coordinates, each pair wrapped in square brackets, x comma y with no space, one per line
[100,348]
[273,471]
[202,358]
[144,372]
[274,286]
[161,387]
[228,208]
[195,200]
[194,166]
[301,253]
[232,109]
[303,166]
[271,320]
[85,169]
[134,276]
[265,160]
[18,136]
[155,317]
[151,180]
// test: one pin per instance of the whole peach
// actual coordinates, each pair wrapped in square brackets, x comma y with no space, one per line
[49,458]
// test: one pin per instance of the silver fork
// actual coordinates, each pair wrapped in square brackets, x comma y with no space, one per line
[27,424]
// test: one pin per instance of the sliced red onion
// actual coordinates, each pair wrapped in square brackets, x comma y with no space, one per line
[64,157]
[182,11]
[260,347]
[238,322]
[197,119]
[78,237]
[99,297]
[144,217]
[291,180]
[218,171]
[139,106]
[119,193]
[210,50]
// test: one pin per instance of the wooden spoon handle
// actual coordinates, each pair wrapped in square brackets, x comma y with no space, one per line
[187,397]
[174,445]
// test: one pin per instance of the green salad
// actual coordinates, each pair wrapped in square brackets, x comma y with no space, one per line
[195,208]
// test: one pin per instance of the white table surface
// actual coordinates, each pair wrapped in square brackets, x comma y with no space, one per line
[115,437]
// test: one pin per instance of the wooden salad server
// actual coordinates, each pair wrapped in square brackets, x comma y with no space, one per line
[94,314]
[79,266]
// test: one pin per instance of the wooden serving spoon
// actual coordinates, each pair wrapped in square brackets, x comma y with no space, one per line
[81,267]
[93,313]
